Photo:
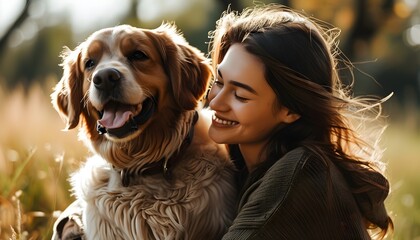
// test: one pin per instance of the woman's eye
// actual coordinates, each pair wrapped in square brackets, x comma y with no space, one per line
[89,64]
[137,56]
[242,99]
[218,83]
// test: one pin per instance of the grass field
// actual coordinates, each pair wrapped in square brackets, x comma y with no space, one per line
[36,158]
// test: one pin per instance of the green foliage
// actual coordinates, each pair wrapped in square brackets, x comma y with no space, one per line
[403,157]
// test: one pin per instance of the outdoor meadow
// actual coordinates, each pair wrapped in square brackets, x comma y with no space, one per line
[36,158]
[382,38]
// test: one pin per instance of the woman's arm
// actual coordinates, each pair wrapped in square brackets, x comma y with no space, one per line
[267,194]
[299,197]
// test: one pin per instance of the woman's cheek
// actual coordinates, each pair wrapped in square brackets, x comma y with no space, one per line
[213,93]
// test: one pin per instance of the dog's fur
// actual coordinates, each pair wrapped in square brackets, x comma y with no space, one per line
[196,200]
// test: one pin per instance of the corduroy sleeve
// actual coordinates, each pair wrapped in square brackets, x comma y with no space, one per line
[299,197]
[263,197]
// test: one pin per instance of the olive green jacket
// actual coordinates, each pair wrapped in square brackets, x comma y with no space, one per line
[300,197]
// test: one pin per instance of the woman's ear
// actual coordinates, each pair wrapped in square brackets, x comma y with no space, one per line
[291,117]
[287,116]
[68,93]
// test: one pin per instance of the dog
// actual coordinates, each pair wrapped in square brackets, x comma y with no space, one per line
[154,173]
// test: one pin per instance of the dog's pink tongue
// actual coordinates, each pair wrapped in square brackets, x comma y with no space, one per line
[115,115]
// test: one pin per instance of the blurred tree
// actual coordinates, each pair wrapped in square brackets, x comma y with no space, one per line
[18,21]
[238,5]
[363,22]
[370,18]
[235,5]
[131,17]
[35,60]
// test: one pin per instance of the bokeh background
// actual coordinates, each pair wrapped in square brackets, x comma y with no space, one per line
[381,37]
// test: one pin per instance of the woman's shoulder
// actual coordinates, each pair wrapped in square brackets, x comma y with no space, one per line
[297,163]
[285,170]
[284,173]
[294,160]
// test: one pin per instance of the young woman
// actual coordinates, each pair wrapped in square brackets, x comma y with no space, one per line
[309,166]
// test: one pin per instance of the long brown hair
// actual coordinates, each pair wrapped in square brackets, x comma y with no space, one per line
[301,58]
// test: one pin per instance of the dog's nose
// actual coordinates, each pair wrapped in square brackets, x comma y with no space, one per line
[106,79]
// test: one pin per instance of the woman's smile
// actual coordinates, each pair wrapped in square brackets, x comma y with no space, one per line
[220,122]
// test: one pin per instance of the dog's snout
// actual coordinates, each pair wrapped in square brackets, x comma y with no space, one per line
[106,79]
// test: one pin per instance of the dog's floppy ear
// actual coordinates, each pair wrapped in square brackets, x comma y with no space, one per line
[187,67]
[68,93]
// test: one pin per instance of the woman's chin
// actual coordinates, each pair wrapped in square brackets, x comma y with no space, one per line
[216,135]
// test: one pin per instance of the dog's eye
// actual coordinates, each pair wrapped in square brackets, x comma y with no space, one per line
[89,64]
[137,56]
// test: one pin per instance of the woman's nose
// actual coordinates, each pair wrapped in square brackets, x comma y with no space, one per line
[218,101]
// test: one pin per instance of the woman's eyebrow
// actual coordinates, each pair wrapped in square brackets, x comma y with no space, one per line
[244,86]
[219,73]
[239,84]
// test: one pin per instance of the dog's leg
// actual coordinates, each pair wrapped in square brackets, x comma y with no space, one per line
[72,231]
[69,225]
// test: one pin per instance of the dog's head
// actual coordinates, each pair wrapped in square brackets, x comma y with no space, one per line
[122,79]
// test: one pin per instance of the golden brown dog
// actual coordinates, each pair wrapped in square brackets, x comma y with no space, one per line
[154,173]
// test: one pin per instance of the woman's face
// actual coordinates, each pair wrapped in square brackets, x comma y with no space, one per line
[243,101]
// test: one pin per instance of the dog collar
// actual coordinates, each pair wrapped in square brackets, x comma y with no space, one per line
[164,165]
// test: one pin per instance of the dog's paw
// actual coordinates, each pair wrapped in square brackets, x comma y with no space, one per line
[72,231]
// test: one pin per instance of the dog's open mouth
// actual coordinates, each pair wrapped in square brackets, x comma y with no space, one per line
[120,120]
